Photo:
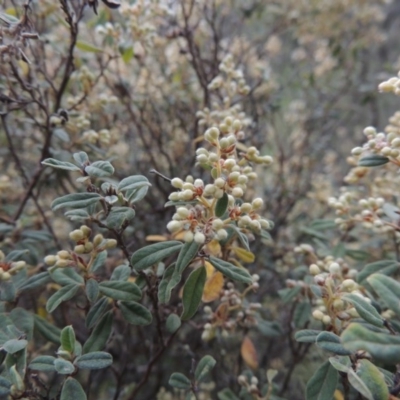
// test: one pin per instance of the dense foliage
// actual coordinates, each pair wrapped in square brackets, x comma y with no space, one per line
[181,213]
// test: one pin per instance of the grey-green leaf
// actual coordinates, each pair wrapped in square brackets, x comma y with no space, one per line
[373,160]
[43,363]
[92,290]
[72,389]
[150,255]
[95,312]
[120,290]
[51,162]
[331,342]
[231,271]
[63,367]
[205,365]
[100,334]
[179,381]
[364,309]
[322,384]
[221,206]
[49,331]
[135,314]
[67,339]
[64,294]
[173,323]
[192,292]
[99,169]
[35,281]
[14,345]
[388,290]
[76,200]
[5,386]
[94,360]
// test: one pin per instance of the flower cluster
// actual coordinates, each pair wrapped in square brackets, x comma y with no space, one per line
[83,245]
[9,268]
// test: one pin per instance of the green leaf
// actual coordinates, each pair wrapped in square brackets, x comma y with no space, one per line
[95,312]
[231,271]
[94,360]
[63,367]
[51,162]
[205,365]
[323,383]
[192,292]
[221,206]
[13,345]
[72,389]
[133,182]
[64,294]
[121,273]
[150,255]
[99,169]
[67,339]
[164,289]
[269,328]
[359,385]
[331,342]
[43,363]
[77,215]
[388,290]
[47,330]
[382,347]
[173,323]
[81,158]
[87,47]
[179,381]
[186,255]
[100,334]
[119,216]
[15,255]
[98,261]
[373,160]
[135,314]
[342,364]
[387,265]
[127,54]
[76,200]
[373,379]
[36,281]
[120,290]
[5,386]
[92,290]
[364,309]
[66,276]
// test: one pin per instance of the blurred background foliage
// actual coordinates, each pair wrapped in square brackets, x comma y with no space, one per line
[127,85]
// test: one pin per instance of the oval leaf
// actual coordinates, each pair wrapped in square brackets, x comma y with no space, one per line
[150,255]
[323,383]
[64,294]
[43,363]
[231,271]
[63,367]
[192,292]
[331,342]
[76,200]
[135,314]
[72,389]
[94,360]
[205,365]
[222,205]
[388,290]
[373,160]
[100,334]
[120,290]
[179,381]
[364,309]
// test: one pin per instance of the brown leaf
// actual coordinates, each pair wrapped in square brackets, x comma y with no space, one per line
[249,353]
[212,287]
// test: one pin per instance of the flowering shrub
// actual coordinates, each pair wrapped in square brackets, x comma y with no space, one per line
[165,194]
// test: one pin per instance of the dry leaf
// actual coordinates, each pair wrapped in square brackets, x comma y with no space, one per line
[156,238]
[214,248]
[212,287]
[249,353]
[338,395]
[209,269]
[244,255]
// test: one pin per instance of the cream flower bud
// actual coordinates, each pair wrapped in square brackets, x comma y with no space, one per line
[50,260]
[257,203]
[202,159]
[5,276]
[229,163]
[209,190]
[237,192]
[334,268]
[318,315]
[218,194]
[187,194]
[314,269]
[217,224]
[199,237]
[76,235]
[243,179]
[219,183]
[188,185]
[88,247]
[234,176]
[183,212]
[349,284]
[86,230]
[237,125]
[174,226]
[174,196]
[357,151]
[198,183]
[369,131]
[177,183]
[224,143]
[222,234]
[246,207]
[64,254]
[79,249]
[326,319]
[98,239]
[111,243]
[188,237]
[63,263]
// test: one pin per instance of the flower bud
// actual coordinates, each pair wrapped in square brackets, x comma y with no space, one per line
[257,203]
[237,192]
[79,249]
[188,237]
[86,230]
[326,319]
[187,194]
[222,234]
[50,260]
[217,224]
[111,244]
[183,212]
[174,226]
[199,237]
[98,239]
[64,254]
[76,235]
[177,183]
[314,269]
[318,315]
[219,183]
